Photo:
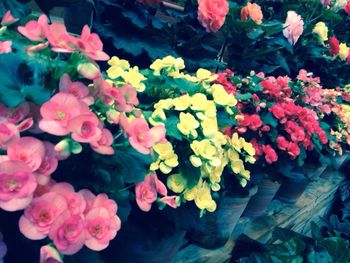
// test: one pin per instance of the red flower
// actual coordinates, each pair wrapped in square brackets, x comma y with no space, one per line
[282,143]
[347,8]
[333,46]
[277,111]
[293,150]
[270,154]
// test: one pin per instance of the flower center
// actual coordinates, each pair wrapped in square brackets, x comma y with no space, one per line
[12,185]
[60,115]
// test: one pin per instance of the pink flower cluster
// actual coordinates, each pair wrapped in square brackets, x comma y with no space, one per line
[223,79]
[147,191]
[71,219]
[68,112]
[60,40]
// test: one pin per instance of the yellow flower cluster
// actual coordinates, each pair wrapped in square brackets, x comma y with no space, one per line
[201,196]
[121,73]
[167,158]
[169,64]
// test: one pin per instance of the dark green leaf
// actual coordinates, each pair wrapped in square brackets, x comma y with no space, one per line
[171,128]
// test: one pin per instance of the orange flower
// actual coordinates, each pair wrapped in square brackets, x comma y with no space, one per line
[253,11]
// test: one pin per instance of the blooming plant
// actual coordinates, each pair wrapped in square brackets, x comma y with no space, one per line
[194,152]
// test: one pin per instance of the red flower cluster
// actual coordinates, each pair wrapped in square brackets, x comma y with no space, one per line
[300,124]
[277,89]
[225,82]
[333,46]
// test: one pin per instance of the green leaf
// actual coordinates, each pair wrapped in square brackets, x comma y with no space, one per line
[132,165]
[255,33]
[11,98]
[183,85]
[269,119]
[137,18]
[35,93]
[171,128]
[272,27]
[315,231]
[243,96]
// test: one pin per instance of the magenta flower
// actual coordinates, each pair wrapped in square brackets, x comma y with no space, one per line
[104,144]
[48,165]
[39,216]
[59,111]
[91,45]
[34,30]
[68,233]
[8,19]
[101,227]
[76,88]
[130,99]
[49,254]
[146,191]
[293,27]
[17,184]
[28,150]
[8,133]
[5,47]
[76,202]
[169,200]
[86,128]
[141,137]
[15,115]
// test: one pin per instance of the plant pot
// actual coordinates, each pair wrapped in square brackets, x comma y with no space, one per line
[314,171]
[137,246]
[339,160]
[214,229]
[79,14]
[258,203]
[292,187]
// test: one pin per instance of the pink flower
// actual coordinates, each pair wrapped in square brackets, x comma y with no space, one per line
[169,200]
[8,133]
[5,47]
[129,98]
[58,111]
[102,200]
[8,19]
[68,233]
[59,38]
[17,184]
[76,88]
[325,2]
[89,199]
[40,46]
[39,216]
[76,202]
[49,254]
[104,144]
[85,128]
[146,192]
[293,27]
[101,227]
[34,30]
[91,45]
[141,137]
[29,150]
[212,14]
[48,165]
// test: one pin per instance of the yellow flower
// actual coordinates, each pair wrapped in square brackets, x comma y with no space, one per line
[237,142]
[115,72]
[321,30]
[199,102]
[188,124]
[190,194]
[203,198]
[210,127]
[205,75]
[182,103]
[135,78]
[169,63]
[167,158]
[164,104]
[249,148]
[195,161]
[237,166]
[204,149]
[158,117]
[221,97]
[343,51]
[177,183]
[117,62]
